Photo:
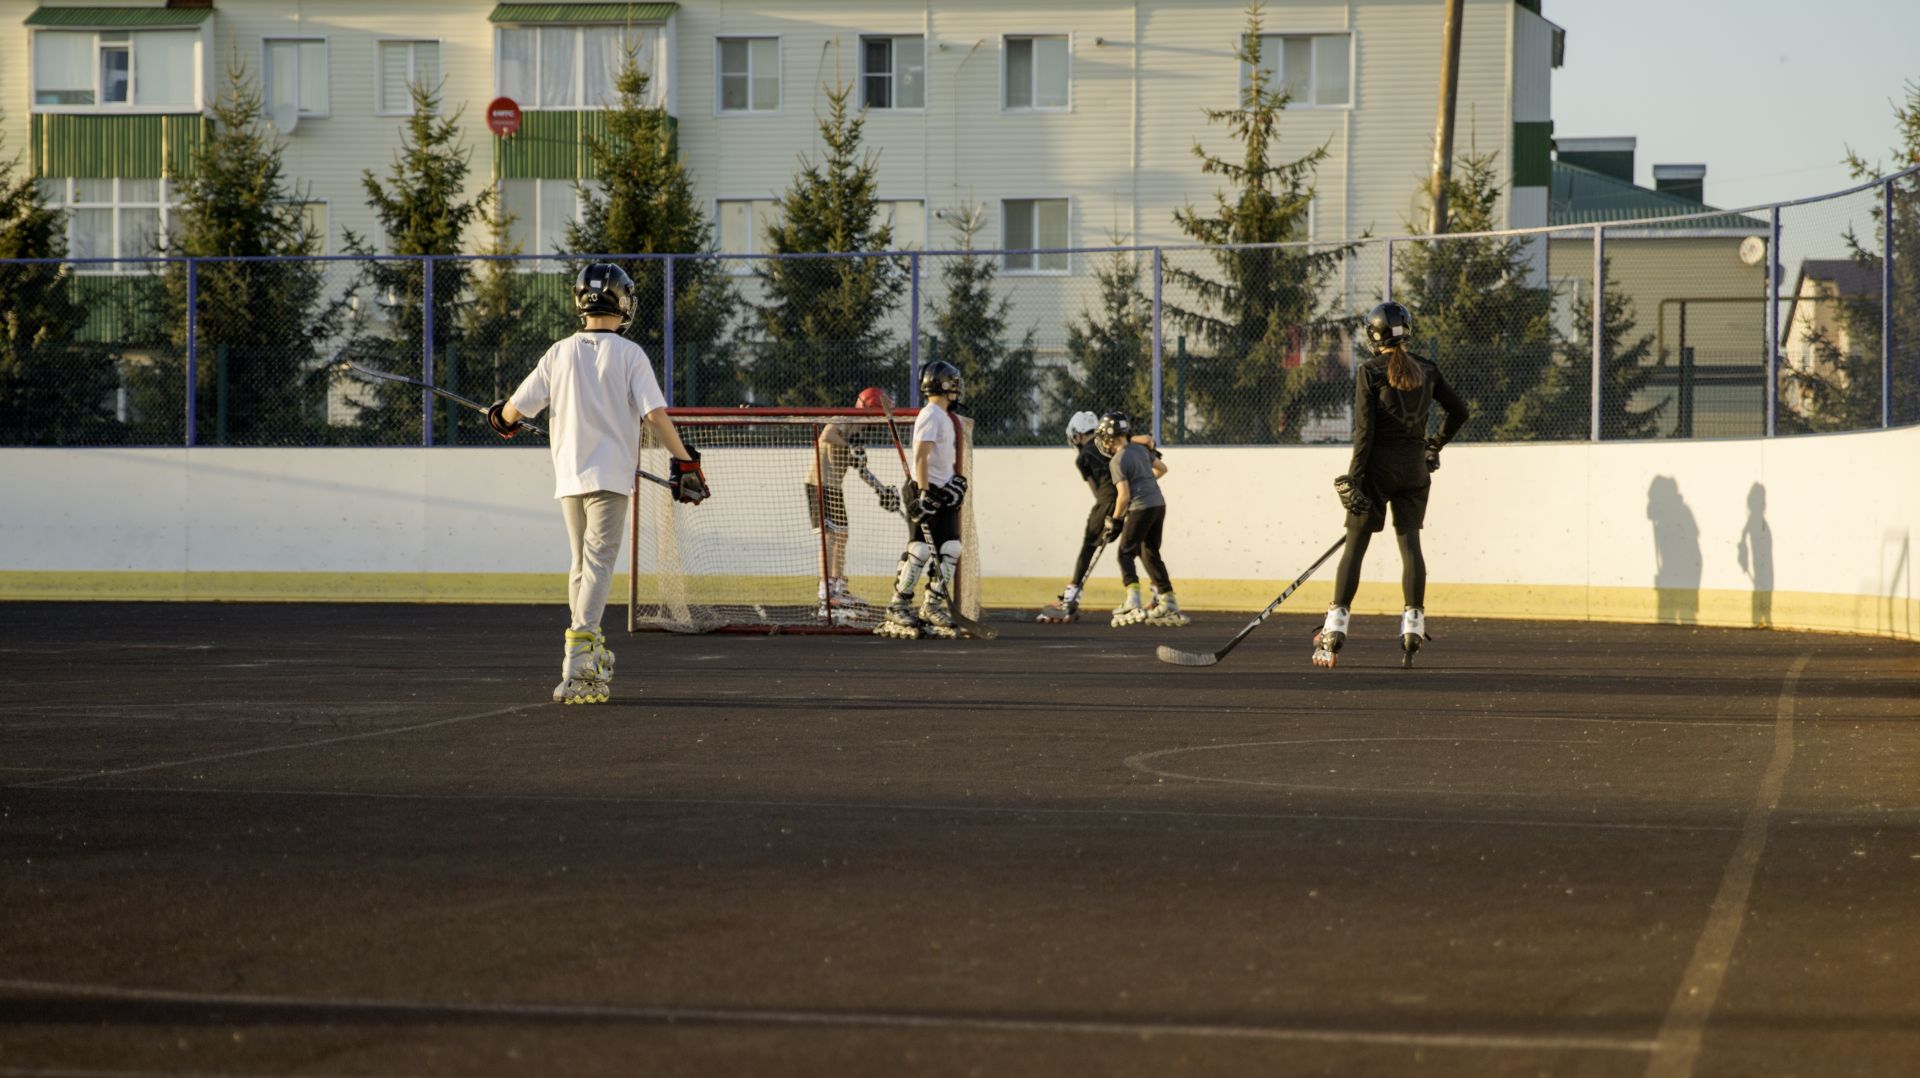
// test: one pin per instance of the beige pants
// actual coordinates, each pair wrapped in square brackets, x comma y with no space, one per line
[595,523]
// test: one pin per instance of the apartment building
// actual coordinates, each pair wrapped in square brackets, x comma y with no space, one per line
[1067,122]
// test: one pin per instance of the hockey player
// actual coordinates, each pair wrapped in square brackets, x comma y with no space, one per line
[601,388]
[1138,517]
[1093,467]
[1393,459]
[834,453]
[933,492]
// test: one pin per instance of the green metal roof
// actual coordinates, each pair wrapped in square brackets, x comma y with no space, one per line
[572,13]
[117,18]
[1581,196]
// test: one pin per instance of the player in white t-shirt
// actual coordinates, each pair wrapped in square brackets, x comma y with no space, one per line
[933,495]
[601,388]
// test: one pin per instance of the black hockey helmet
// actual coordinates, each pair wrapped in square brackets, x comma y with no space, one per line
[941,377]
[1115,426]
[604,288]
[1388,324]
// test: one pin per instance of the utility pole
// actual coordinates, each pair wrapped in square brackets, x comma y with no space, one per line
[1443,122]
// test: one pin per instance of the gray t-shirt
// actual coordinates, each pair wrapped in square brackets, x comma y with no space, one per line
[1133,465]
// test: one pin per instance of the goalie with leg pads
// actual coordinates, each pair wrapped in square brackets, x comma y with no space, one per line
[934,493]
[835,453]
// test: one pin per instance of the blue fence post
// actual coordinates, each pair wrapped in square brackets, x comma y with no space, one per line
[913,331]
[1158,386]
[666,331]
[1886,306]
[193,349]
[426,353]
[1386,289]
[1773,321]
[1599,327]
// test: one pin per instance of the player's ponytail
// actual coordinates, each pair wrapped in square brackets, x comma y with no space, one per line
[1402,372]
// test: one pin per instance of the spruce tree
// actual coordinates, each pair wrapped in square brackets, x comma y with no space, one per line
[508,323]
[1476,314]
[643,203]
[1560,406]
[423,209]
[1109,349]
[55,389]
[260,325]
[1269,357]
[823,321]
[970,328]
[1842,389]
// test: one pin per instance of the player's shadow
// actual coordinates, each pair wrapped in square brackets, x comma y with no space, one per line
[1676,553]
[1756,555]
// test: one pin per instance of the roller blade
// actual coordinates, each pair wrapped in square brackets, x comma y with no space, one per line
[1409,643]
[1059,614]
[1326,648]
[577,690]
[1174,620]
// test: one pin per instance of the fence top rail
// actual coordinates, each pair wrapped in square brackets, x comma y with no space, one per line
[786,415]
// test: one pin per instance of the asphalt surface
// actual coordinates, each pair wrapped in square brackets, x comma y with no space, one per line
[247,839]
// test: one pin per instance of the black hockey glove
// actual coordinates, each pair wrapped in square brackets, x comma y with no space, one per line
[1351,496]
[859,458]
[954,491]
[889,499]
[1115,525]
[1433,454]
[689,482]
[497,419]
[920,507]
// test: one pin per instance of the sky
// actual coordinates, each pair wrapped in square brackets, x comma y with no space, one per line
[1768,94]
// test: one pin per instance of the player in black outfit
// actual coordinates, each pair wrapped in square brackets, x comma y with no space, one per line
[1093,468]
[1393,393]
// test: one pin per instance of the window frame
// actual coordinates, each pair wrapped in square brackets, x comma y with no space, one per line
[380,104]
[1353,67]
[780,76]
[740,263]
[1030,35]
[1006,248]
[925,215]
[167,206]
[130,106]
[325,42]
[656,86]
[893,77]
[579,203]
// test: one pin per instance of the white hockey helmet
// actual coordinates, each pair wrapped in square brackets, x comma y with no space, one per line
[1081,425]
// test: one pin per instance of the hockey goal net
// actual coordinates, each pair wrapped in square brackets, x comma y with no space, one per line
[754,556]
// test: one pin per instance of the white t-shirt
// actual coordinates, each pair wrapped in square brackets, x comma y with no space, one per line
[935,426]
[600,386]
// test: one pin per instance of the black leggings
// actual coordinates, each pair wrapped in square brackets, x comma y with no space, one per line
[1413,572]
[1140,538]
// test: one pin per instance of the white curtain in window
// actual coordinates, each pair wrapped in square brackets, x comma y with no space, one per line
[1330,78]
[557,206]
[516,65]
[1050,73]
[93,191]
[1296,69]
[517,198]
[426,64]
[766,74]
[395,57]
[139,231]
[62,68]
[605,49]
[282,75]
[140,192]
[910,72]
[909,223]
[733,76]
[556,67]
[1051,224]
[736,227]
[163,66]
[313,76]
[92,235]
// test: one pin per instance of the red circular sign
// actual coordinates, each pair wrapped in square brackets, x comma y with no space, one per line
[503,116]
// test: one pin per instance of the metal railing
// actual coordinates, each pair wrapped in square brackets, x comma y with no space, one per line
[1793,317]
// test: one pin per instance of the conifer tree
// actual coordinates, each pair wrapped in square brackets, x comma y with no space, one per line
[823,322]
[1560,406]
[424,209]
[509,322]
[55,389]
[1109,349]
[1476,314]
[1269,358]
[643,203]
[259,325]
[970,326]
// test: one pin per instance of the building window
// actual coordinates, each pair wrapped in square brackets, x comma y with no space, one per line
[114,218]
[571,67]
[403,65]
[749,74]
[541,211]
[1030,224]
[115,68]
[906,221]
[893,72]
[1312,70]
[295,76]
[1036,72]
[314,219]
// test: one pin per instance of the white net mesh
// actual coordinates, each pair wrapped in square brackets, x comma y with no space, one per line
[751,557]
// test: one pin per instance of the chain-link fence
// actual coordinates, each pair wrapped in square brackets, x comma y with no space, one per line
[1779,320]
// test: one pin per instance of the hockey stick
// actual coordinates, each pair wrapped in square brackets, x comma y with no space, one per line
[1200,658]
[960,621]
[383,376]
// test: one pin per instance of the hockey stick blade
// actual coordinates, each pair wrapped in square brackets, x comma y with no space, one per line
[1188,658]
[974,629]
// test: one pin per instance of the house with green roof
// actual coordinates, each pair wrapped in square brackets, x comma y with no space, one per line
[1695,276]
